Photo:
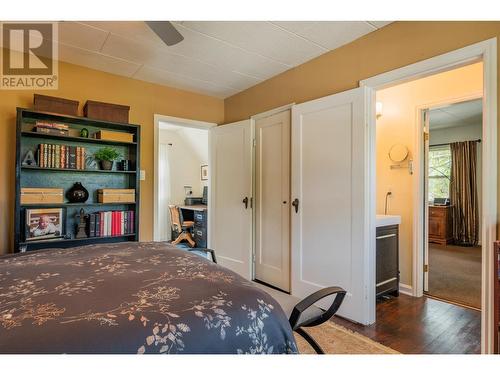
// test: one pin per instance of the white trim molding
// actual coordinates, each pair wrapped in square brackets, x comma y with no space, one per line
[406,289]
[485,51]
[188,123]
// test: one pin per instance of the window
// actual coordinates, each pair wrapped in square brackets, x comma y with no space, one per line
[439,172]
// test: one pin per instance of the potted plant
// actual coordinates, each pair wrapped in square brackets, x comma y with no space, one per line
[107,155]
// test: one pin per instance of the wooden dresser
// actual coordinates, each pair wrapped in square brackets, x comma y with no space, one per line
[440,224]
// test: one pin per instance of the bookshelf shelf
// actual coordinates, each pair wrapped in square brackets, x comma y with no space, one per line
[92,179]
[43,244]
[74,139]
[89,204]
[74,170]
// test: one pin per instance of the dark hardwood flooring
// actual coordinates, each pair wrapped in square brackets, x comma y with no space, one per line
[423,326]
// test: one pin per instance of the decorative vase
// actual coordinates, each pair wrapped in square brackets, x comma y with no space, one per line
[77,194]
[106,165]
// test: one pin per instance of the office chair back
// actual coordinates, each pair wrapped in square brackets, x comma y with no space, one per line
[175,218]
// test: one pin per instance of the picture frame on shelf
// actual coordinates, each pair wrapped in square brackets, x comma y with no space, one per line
[44,224]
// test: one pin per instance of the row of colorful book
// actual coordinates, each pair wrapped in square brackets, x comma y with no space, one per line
[110,223]
[61,156]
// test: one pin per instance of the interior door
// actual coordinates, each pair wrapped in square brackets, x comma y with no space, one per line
[330,244]
[230,196]
[425,116]
[272,200]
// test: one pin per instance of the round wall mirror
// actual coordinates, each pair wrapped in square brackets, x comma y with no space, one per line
[398,153]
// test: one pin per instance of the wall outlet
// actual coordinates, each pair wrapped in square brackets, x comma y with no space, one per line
[142,175]
[389,189]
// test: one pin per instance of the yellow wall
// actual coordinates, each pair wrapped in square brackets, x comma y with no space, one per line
[145,100]
[398,125]
[396,45]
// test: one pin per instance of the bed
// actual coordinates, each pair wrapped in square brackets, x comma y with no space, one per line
[134,298]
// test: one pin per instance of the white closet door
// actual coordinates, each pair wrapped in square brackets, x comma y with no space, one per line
[272,200]
[329,184]
[230,213]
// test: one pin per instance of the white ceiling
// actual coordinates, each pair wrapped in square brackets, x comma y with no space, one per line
[215,58]
[460,114]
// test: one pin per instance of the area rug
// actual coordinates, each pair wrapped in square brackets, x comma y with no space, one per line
[335,339]
[455,274]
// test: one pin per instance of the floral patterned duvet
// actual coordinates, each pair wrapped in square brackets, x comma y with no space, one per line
[133,298]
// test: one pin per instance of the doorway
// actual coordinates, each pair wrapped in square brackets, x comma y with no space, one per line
[484,52]
[452,202]
[181,180]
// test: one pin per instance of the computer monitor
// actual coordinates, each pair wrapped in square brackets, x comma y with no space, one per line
[204,200]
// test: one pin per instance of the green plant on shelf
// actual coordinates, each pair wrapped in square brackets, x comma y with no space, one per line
[107,154]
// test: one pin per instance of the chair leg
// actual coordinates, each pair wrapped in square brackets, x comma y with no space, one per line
[177,240]
[190,240]
[310,340]
[184,236]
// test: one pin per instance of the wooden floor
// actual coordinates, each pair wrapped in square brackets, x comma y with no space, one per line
[423,326]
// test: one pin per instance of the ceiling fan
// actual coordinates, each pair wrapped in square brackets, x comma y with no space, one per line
[166,31]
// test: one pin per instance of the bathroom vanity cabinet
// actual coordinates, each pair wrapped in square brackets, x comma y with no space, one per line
[387,259]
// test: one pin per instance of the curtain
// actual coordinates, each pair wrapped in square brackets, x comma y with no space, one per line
[463,193]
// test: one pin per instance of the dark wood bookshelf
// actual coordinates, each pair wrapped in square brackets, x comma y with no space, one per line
[92,179]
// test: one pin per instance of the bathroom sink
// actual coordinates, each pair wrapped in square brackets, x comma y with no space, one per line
[383,220]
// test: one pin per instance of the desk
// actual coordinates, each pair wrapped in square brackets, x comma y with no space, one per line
[198,214]
[196,207]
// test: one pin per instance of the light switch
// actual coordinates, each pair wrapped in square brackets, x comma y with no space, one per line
[142,175]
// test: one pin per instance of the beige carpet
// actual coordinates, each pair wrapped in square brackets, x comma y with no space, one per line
[455,274]
[335,339]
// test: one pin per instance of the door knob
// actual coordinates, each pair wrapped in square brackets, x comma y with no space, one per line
[295,204]
[245,201]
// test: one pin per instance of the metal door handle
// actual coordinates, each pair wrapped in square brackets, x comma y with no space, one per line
[385,236]
[245,201]
[295,204]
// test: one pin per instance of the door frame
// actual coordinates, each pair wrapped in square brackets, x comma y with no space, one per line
[421,214]
[487,52]
[188,123]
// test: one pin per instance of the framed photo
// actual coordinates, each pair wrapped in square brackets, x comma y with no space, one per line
[44,224]
[204,172]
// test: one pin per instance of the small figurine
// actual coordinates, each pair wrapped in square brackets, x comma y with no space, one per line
[29,160]
[84,133]
[81,228]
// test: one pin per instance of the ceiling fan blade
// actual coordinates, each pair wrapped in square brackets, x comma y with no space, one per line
[166,31]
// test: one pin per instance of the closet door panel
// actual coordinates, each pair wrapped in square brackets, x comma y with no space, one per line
[272,198]
[230,191]
[329,180]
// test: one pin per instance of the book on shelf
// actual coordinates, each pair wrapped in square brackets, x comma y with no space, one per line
[51,125]
[51,128]
[110,223]
[61,156]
